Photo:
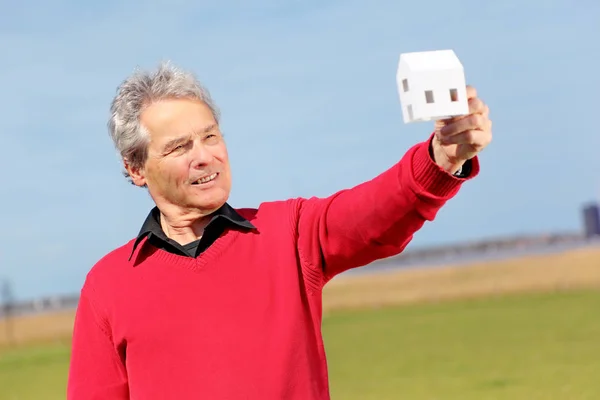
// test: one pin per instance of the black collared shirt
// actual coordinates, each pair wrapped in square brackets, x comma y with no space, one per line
[221,219]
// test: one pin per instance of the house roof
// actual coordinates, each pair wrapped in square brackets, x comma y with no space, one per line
[430,60]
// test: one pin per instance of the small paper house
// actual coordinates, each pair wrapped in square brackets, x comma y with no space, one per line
[431,85]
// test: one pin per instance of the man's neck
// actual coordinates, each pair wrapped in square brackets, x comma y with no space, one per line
[184,228]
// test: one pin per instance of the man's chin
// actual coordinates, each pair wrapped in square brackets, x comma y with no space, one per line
[210,204]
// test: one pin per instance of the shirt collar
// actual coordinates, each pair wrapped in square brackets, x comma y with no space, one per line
[151,225]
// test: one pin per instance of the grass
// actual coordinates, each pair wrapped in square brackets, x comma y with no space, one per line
[542,346]
[516,329]
[34,372]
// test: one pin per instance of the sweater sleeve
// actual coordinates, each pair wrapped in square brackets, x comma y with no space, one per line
[96,370]
[374,220]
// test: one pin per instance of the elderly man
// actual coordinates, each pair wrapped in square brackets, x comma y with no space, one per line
[212,302]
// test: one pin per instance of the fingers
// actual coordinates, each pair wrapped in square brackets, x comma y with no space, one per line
[476,106]
[476,138]
[468,123]
[471,92]
[473,129]
[470,133]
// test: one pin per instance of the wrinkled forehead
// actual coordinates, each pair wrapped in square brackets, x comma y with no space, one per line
[173,118]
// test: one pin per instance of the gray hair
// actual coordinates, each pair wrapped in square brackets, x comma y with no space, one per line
[137,92]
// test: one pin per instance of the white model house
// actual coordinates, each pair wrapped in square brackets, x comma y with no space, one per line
[431,85]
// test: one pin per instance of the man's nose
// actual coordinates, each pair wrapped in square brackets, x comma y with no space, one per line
[201,154]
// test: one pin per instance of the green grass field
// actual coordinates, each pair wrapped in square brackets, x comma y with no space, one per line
[36,372]
[544,346]
[519,347]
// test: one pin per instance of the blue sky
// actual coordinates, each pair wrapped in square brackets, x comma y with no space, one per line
[308,95]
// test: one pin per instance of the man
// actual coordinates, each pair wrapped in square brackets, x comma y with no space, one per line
[212,302]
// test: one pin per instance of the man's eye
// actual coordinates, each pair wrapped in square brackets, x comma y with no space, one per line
[182,146]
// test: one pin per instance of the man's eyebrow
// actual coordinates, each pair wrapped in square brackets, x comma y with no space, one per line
[175,142]
[208,128]
[182,139]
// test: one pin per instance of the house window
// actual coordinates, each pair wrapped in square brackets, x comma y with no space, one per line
[409,111]
[429,96]
[405,85]
[453,95]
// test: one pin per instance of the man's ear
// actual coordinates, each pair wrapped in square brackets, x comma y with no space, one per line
[135,173]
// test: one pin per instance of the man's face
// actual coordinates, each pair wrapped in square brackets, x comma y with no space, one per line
[187,169]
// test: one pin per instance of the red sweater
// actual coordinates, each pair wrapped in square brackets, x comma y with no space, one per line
[243,320]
